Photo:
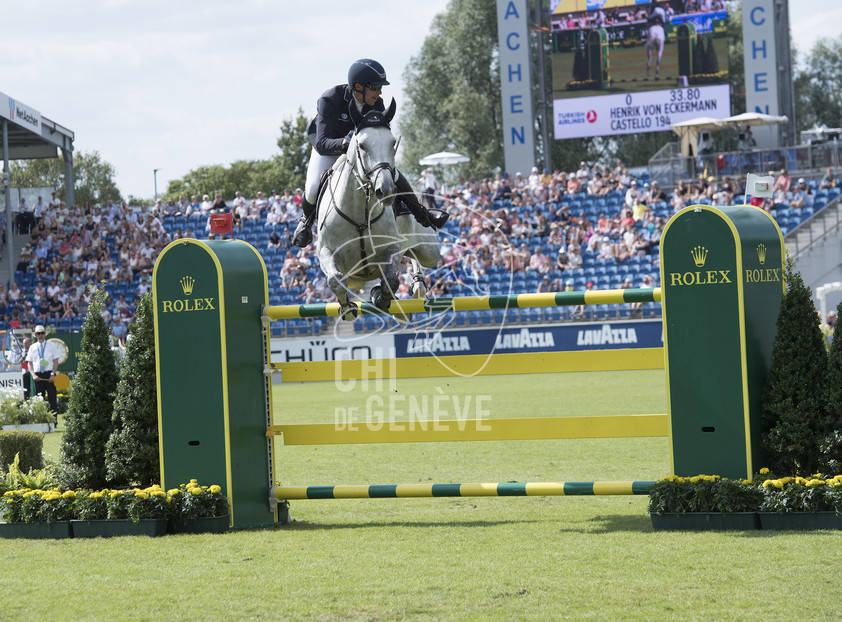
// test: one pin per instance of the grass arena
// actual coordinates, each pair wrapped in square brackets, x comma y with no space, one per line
[493,557]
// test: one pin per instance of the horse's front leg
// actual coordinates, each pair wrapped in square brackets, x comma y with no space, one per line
[337,282]
[383,294]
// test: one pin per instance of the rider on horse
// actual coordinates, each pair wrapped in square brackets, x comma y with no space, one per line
[330,133]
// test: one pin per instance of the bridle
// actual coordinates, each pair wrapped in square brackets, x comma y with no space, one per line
[365,180]
[365,183]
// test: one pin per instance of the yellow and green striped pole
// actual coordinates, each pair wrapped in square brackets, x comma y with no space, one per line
[499,489]
[473,303]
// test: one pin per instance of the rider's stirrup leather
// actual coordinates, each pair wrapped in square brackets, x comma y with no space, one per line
[303,234]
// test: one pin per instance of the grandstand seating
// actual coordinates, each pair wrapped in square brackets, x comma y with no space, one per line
[602,273]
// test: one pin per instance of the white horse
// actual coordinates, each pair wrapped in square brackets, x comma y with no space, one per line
[360,239]
[655,38]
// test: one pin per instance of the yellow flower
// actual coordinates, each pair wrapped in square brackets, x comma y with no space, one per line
[195,491]
[114,494]
[173,491]
[68,494]
[141,495]
[764,471]
[778,483]
[815,482]
[215,489]
[193,481]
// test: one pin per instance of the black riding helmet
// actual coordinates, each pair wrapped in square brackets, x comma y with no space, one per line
[367,72]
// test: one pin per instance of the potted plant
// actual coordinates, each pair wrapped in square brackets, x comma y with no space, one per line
[801,503]
[135,511]
[200,509]
[36,513]
[19,414]
[704,502]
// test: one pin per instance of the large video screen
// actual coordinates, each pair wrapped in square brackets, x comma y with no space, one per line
[631,66]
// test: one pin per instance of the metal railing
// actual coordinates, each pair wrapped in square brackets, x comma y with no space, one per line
[668,166]
[829,213]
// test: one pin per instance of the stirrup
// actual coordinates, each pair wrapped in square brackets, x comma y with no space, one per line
[303,233]
[437,222]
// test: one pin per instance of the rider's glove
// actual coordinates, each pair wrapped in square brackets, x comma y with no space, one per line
[347,140]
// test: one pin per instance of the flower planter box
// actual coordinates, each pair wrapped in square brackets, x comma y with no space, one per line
[212,524]
[705,521]
[44,428]
[59,529]
[800,520]
[118,527]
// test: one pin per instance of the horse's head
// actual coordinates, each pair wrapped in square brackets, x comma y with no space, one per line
[372,151]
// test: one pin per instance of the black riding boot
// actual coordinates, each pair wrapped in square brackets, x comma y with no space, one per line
[303,234]
[424,217]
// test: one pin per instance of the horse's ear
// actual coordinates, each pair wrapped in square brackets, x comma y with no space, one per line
[391,111]
[355,115]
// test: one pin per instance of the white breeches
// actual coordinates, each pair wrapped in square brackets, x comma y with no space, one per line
[318,164]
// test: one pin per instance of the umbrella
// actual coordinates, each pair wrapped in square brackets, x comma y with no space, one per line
[696,125]
[444,158]
[688,131]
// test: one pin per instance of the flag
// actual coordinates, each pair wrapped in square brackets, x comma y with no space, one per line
[759,185]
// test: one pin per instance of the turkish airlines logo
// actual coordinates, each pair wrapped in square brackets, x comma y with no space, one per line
[591,116]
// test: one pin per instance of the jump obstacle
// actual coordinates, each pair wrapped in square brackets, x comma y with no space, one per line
[722,283]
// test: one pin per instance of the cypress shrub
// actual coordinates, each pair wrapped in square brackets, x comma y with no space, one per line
[88,418]
[131,455]
[27,443]
[830,449]
[795,418]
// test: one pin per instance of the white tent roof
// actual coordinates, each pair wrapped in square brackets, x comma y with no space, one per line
[754,118]
[443,157]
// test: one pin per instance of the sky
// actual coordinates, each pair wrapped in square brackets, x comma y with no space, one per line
[173,85]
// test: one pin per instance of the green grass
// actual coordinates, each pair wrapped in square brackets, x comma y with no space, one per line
[455,558]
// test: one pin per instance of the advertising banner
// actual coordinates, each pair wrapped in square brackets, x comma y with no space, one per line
[633,113]
[546,338]
[20,113]
[331,348]
[759,58]
[515,85]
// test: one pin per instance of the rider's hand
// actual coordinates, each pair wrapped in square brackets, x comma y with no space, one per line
[347,140]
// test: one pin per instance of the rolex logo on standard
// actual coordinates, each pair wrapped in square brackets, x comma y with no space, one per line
[187,283]
[761,253]
[699,255]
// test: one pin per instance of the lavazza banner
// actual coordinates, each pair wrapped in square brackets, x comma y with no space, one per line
[508,339]
[633,113]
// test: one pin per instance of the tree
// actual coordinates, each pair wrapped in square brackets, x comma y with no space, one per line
[94,177]
[795,419]
[295,151]
[88,417]
[286,170]
[818,86]
[736,66]
[830,447]
[453,89]
[131,454]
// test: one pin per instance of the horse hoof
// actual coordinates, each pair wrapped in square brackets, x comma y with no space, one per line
[348,313]
[379,300]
